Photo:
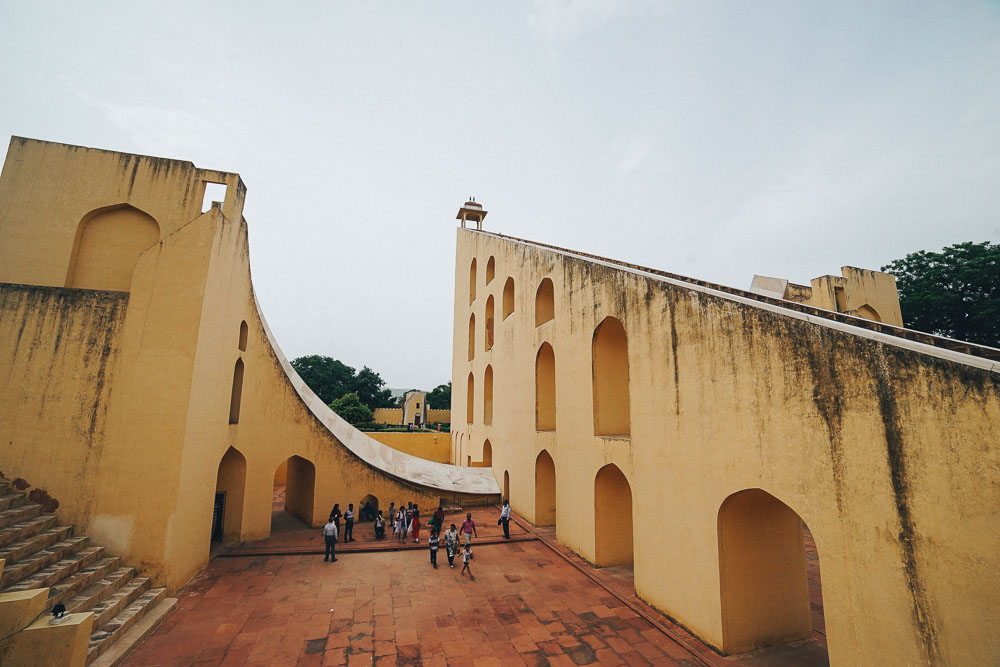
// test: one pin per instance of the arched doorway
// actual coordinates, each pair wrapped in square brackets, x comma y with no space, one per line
[545,490]
[230,484]
[612,517]
[368,508]
[296,498]
[763,572]
[108,244]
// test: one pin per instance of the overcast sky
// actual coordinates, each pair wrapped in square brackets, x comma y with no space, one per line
[715,140]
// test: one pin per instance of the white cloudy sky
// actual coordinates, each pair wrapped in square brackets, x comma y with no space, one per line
[716,140]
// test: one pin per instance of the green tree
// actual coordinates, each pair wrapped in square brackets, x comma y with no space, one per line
[326,376]
[367,384]
[440,397]
[953,293]
[350,407]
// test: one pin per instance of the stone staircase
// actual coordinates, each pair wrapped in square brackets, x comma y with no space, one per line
[39,554]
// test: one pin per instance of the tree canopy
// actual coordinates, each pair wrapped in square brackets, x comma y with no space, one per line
[953,293]
[350,407]
[440,397]
[332,379]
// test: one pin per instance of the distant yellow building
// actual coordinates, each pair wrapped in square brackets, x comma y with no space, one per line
[415,412]
[690,429]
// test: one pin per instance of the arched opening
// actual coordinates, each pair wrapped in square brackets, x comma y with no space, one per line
[472,336]
[108,244]
[472,281]
[368,508]
[230,485]
[244,331]
[487,454]
[545,490]
[470,399]
[236,396]
[488,396]
[545,303]
[612,517]
[545,389]
[491,269]
[610,364]
[293,498]
[506,485]
[489,322]
[869,313]
[508,298]
[763,573]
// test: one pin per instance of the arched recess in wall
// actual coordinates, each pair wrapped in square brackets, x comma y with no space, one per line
[472,281]
[489,323]
[470,402]
[472,337]
[545,389]
[869,313]
[610,376]
[244,332]
[487,454]
[230,488]
[237,395]
[108,243]
[508,298]
[545,303]
[545,490]
[491,270]
[506,484]
[763,572]
[300,488]
[612,517]
[488,396]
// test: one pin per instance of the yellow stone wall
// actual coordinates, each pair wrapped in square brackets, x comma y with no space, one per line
[888,452]
[388,415]
[119,403]
[430,446]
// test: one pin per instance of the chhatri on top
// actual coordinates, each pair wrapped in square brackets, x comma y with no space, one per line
[472,211]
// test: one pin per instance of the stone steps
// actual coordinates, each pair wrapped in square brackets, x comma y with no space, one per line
[41,554]
[18,514]
[26,528]
[124,621]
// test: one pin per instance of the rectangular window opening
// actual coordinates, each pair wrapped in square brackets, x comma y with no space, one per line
[214,192]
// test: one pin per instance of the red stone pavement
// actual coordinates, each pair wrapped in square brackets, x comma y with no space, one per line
[530,602]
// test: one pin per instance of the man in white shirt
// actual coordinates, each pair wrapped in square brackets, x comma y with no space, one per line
[505,518]
[330,537]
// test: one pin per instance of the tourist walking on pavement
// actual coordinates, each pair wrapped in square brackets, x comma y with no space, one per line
[437,521]
[433,541]
[330,538]
[335,515]
[401,524]
[468,529]
[349,523]
[451,544]
[409,519]
[505,519]
[416,524]
[466,557]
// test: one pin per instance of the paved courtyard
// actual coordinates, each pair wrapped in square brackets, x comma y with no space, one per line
[527,604]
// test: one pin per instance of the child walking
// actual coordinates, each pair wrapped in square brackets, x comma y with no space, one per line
[434,541]
[466,557]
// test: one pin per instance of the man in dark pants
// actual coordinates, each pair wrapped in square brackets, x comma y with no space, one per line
[330,538]
[349,523]
[505,518]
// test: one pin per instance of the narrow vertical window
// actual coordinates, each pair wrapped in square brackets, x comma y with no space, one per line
[244,331]
[234,400]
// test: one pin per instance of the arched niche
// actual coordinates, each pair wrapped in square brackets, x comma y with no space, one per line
[506,485]
[472,337]
[489,323]
[508,298]
[545,389]
[545,304]
[300,488]
[612,517]
[470,400]
[762,571]
[488,396]
[244,332]
[487,454]
[472,281]
[869,313]
[108,243]
[230,487]
[237,393]
[610,377]
[545,490]
[491,269]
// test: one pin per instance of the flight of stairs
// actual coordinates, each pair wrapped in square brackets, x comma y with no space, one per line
[39,553]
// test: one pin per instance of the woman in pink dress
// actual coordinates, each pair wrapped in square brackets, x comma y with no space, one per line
[415,526]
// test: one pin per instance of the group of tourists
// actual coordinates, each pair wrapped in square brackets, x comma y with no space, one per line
[405,523]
